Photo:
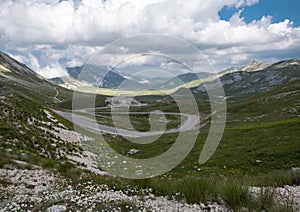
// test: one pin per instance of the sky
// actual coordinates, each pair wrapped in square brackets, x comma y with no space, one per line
[50,35]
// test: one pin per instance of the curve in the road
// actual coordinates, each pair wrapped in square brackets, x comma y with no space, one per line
[189,124]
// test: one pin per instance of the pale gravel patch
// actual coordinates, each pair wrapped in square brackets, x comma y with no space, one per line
[57,208]
[89,160]
[63,132]
[284,195]
[28,181]
[70,136]
[86,196]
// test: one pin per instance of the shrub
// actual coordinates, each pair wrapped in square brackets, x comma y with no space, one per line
[47,163]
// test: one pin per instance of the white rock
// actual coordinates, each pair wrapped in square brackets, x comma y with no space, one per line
[133,151]
[57,208]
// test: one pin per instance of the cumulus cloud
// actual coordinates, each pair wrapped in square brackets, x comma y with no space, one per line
[54,34]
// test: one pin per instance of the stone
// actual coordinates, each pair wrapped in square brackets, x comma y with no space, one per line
[133,151]
[293,110]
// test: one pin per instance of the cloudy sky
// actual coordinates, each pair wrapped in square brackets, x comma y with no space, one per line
[50,35]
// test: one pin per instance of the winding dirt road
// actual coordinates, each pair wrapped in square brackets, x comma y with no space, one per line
[79,120]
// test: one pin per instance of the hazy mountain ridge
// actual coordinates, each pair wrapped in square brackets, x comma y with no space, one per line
[256,77]
[184,78]
[107,77]
[97,76]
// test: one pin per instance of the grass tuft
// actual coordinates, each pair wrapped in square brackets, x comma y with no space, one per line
[235,195]
[196,190]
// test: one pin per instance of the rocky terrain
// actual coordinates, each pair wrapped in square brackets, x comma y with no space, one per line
[39,190]
[36,189]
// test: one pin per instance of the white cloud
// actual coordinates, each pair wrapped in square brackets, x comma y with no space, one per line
[65,35]
[238,58]
[50,70]
[41,21]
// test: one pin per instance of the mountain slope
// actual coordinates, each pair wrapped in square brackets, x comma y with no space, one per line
[242,84]
[16,77]
[280,103]
[183,79]
[252,66]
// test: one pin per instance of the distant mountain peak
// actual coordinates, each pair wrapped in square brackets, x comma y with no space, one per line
[255,65]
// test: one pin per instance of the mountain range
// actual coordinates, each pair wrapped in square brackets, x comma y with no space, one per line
[107,77]
[253,78]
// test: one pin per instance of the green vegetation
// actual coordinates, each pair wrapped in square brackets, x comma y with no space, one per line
[169,121]
[25,136]
[198,189]
[252,153]
[235,195]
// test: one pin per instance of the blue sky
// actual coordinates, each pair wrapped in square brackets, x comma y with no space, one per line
[278,9]
[49,35]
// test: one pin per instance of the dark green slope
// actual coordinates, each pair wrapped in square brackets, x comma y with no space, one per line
[261,136]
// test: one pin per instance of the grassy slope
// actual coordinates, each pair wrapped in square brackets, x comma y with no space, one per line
[251,143]
[252,147]
[257,152]
[23,141]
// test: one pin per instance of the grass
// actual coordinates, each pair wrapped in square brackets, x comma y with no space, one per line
[275,178]
[232,191]
[198,189]
[235,195]
[134,92]
[243,150]
[258,152]
[140,122]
